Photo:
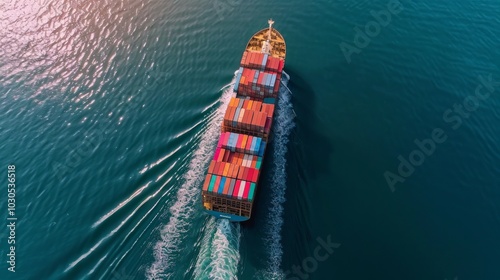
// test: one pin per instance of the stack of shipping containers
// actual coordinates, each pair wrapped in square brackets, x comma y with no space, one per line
[230,185]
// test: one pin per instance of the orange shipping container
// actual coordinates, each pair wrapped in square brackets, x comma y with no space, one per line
[244,141]
[248,120]
[256,121]
[226,169]
[211,167]
[223,155]
[235,171]
[226,186]
[229,170]
[250,105]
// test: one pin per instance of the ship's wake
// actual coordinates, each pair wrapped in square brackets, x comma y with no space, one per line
[219,254]
[274,222]
[184,210]
[218,244]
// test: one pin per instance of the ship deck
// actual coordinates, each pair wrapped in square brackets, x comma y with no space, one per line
[277,42]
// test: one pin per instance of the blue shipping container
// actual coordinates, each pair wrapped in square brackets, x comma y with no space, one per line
[221,185]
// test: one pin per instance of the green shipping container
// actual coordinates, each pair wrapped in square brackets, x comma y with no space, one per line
[212,183]
[252,192]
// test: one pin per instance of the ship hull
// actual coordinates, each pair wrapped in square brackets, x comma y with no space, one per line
[232,180]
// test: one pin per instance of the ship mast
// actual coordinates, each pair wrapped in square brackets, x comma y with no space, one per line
[271,22]
[266,45]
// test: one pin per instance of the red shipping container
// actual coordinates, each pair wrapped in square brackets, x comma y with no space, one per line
[216,168]
[238,140]
[220,172]
[236,189]
[245,173]
[216,154]
[246,191]
[273,64]
[226,115]
[270,63]
[230,117]
[226,156]
[249,121]
[207,182]
[249,142]
[222,136]
[256,175]
[254,105]
[217,183]
[249,175]
[226,138]
[259,121]
[252,122]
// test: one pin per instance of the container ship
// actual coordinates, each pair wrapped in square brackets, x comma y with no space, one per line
[231,183]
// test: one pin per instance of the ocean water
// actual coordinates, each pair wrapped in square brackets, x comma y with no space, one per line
[385,162]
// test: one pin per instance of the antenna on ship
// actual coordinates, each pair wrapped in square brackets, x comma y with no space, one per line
[271,22]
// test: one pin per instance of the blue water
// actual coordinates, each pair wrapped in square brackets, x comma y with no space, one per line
[110,110]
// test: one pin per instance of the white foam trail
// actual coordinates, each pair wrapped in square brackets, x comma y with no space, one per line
[183,210]
[219,251]
[282,129]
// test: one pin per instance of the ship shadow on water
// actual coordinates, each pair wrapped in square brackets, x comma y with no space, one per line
[308,156]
